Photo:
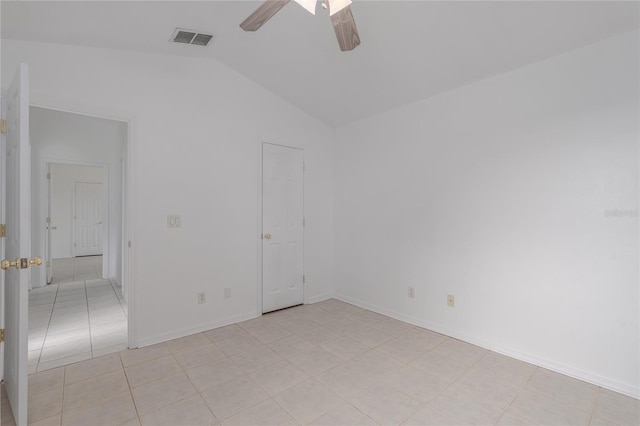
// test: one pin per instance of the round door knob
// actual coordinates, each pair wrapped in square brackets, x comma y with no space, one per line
[7,264]
[37,261]
[267,236]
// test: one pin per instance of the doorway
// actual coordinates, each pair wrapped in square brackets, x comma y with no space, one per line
[78,309]
[282,227]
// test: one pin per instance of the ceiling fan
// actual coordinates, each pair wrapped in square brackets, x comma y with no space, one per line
[339,11]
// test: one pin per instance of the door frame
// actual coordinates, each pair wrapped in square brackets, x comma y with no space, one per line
[129,208]
[260,224]
[3,167]
[46,199]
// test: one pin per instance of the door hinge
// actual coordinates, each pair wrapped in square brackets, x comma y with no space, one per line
[48,175]
[1,335]
[3,230]
[3,126]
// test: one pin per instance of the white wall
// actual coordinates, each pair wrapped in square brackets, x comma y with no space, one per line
[62,137]
[496,193]
[195,132]
[63,187]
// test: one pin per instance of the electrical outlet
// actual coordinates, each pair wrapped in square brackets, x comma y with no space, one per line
[451,300]
[412,292]
[202,297]
[227,293]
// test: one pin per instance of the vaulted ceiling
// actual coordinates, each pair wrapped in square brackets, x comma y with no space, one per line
[410,49]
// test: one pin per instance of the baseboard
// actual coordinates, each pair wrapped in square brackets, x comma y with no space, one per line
[175,334]
[605,382]
[316,299]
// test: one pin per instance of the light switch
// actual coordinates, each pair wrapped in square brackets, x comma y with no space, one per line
[173,221]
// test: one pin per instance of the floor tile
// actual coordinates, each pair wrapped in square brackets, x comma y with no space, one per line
[385,405]
[291,346]
[44,404]
[92,368]
[43,366]
[238,344]
[315,361]
[159,394]
[269,333]
[258,357]
[199,356]
[428,416]
[151,371]
[344,415]
[191,411]
[265,413]
[465,408]
[115,410]
[46,381]
[278,377]
[506,369]
[415,383]
[187,343]
[543,410]
[439,366]
[210,375]
[486,387]
[403,348]
[233,397]
[136,356]
[222,333]
[567,390]
[616,407]
[93,390]
[344,348]
[308,400]
[460,351]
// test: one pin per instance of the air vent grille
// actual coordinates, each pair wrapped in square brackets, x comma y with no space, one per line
[191,37]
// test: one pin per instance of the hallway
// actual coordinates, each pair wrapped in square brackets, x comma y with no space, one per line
[78,317]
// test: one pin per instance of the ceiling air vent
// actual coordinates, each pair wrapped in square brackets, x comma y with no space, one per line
[191,37]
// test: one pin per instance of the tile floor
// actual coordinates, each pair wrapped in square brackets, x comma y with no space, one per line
[79,317]
[329,363]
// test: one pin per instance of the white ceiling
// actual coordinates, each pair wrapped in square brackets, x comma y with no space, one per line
[410,49]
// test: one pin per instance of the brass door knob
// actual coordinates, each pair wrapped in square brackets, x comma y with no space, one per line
[20,263]
[8,264]
[267,236]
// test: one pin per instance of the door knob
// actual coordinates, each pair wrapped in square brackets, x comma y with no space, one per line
[7,264]
[267,236]
[20,263]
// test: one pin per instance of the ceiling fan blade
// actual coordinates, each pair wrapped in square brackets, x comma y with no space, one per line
[263,14]
[345,28]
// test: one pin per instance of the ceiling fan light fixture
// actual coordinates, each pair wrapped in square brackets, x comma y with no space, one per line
[310,5]
[336,6]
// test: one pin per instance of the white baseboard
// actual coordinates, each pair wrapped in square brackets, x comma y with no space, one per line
[596,379]
[316,299]
[175,334]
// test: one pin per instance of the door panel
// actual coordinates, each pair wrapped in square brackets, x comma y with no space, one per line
[282,242]
[88,219]
[17,243]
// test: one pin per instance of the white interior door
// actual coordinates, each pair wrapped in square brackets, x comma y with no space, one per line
[282,227]
[17,243]
[47,244]
[88,219]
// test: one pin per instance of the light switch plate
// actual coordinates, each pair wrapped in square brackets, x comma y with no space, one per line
[174,221]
